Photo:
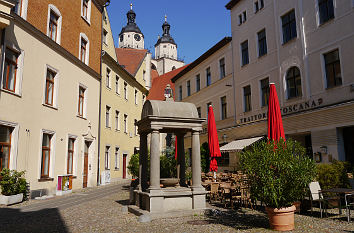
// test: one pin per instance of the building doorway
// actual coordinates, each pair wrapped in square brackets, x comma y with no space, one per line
[125,166]
[348,138]
[85,173]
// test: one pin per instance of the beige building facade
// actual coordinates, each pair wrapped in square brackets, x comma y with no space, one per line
[122,98]
[49,102]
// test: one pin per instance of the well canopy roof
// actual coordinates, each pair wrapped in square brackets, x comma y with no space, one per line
[239,144]
[169,109]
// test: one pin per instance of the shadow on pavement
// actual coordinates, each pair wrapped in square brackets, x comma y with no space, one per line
[123,202]
[47,220]
[237,219]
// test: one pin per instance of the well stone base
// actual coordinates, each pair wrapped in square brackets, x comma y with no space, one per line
[170,199]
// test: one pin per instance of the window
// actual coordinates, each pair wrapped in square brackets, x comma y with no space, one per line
[70,156]
[136,96]
[239,19]
[144,73]
[116,161]
[262,43]
[247,98]
[83,50]
[223,108]
[5,146]
[265,91]
[49,87]
[106,158]
[125,123]
[289,26]
[104,39]
[222,68]
[208,77]
[46,146]
[293,82]
[81,101]
[108,78]
[262,4]
[10,70]
[199,110]
[125,90]
[256,7]
[333,70]
[53,25]
[244,16]
[326,10]
[117,120]
[135,127]
[188,88]
[197,83]
[244,53]
[108,110]
[143,100]
[86,10]
[117,84]
[180,93]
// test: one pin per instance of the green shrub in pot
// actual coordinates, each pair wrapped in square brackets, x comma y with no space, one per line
[279,172]
[13,182]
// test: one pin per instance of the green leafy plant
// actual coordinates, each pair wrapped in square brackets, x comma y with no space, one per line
[12,182]
[278,173]
[333,175]
[204,157]
[133,166]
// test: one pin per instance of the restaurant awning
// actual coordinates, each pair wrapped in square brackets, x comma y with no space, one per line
[239,144]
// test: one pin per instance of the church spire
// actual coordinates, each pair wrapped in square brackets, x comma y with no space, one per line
[131,15]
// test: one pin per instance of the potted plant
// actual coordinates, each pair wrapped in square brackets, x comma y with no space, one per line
[13,186]
[279,174]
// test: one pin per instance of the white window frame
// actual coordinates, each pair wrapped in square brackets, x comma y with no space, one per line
[108,157]
[136,92]
[108,121]
[125,123]
[23,7]
[14,142]
[126,90]
[220,58]
[116,157]
[84,113]
[143,99]
[104,37]
[53,8]
[75,154]
[323,65]
[88,19]
[52,153]
[108,78]
[297,22]
[117,120]
[56,86]
[135,127]
[317,9]
[87,55]
[117,84]
[19,71]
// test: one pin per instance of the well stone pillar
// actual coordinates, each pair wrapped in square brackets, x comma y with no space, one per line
[155,160]
[196,166]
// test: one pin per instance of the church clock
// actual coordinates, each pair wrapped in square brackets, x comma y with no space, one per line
[137,37]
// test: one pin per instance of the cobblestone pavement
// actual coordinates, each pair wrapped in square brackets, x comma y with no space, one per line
[104,214]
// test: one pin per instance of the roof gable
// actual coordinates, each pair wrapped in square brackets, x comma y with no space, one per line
[131,59]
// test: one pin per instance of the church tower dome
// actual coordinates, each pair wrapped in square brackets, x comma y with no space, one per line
[165,45]
[131,35]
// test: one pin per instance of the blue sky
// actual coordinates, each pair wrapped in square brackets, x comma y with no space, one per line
[195,25]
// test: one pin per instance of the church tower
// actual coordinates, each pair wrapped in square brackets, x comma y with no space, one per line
[166,58]
[165,45]
[131,36]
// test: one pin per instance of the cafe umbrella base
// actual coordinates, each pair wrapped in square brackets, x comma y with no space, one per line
[281,219]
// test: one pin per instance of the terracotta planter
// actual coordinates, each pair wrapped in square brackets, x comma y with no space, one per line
[281,219]
[297,205]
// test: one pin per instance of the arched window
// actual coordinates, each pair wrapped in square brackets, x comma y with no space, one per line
[293,82]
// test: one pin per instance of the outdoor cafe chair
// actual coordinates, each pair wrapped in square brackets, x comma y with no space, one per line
[225,192]
[214,191]
[316,195]
[349,203]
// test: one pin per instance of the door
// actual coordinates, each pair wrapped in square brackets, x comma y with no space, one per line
[85,174]
[124,166]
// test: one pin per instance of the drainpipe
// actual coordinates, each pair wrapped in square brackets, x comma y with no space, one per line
[2,53]
[233,76]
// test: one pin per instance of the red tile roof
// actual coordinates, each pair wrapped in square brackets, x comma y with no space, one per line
[131,59]
[159,84]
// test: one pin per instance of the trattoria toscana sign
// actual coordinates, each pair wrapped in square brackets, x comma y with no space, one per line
[298,107]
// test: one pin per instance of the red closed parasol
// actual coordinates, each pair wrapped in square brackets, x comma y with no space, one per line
[213,140]
[275,123]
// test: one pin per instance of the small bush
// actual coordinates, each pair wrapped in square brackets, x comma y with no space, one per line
[133,166]
[332,175]
[13,182]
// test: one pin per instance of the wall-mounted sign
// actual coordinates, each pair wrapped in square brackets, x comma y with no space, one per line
[298,107]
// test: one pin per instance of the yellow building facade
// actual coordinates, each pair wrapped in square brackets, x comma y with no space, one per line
[122,98]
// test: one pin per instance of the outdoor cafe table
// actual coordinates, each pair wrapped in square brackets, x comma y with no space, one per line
[340,191]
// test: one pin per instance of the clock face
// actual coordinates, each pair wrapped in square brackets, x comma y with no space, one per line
[121,38]
[137,37]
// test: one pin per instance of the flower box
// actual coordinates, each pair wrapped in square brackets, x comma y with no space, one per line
[9,200]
